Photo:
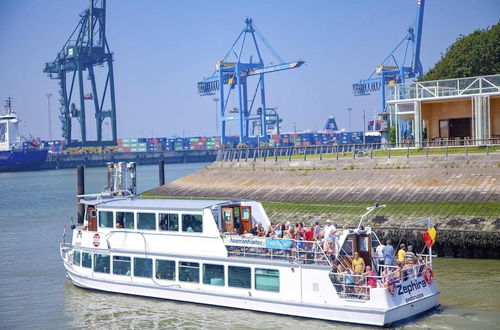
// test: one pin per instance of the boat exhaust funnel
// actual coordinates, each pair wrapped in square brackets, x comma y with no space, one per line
[121,178]
[109,176]
[131,169]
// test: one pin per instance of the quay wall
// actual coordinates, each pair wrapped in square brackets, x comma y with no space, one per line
[460,193]
[56,161]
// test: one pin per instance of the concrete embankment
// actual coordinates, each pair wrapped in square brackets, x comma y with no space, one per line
[55,161]
[460,193]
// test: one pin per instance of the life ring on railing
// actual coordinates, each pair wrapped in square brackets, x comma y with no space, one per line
[428,274]
[391,287]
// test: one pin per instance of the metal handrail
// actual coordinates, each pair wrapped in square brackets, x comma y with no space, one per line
[297,251]
[406,148]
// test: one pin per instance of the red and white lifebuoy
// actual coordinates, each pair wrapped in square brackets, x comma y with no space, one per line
[97,240]
[428,274]
[391,287]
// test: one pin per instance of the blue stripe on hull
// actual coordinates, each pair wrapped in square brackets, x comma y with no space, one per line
[22,160]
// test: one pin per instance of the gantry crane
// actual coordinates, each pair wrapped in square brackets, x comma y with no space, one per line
[86,48]
[234,75]
[395,71]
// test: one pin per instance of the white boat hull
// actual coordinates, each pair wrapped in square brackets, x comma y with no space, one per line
[349,314]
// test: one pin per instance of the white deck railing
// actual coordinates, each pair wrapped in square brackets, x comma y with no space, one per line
[448,88]
[278,249]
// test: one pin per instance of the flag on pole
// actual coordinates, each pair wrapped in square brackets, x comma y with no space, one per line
[430,237]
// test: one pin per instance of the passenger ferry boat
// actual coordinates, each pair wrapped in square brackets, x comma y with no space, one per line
[197,251]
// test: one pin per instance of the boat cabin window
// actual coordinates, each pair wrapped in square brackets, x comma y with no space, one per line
[236,218]
[213,274]
[101,263]
[86,260]
[192,223]
[105,219]
[169,221]
[91,217]
[125,220]
[189,271]
[143,267]
[267,279]
[165,269]
[121,265]
[348,248]
[146,221]
[76,258]
[363,243]
[239,277]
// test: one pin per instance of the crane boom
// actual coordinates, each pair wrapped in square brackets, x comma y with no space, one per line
[273,68]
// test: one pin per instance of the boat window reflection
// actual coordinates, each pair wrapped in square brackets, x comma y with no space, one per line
[213,274]
[239,277]
[192,223]
[125,220]
[146,221]
[189,271]
[121,265]
[105,219]
[165,269]
[101,263]
[143,267]
[169,221]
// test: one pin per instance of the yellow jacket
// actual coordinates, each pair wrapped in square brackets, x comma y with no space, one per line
[358,265]
[401,255]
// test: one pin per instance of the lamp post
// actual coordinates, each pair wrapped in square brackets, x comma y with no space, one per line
[349,110]
[216,100]
[50,122]
[364,125]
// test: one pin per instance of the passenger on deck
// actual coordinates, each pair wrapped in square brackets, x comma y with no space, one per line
[328,228]
[309,233]
[401,253]
[371,280]
[410,256]
[388,252]
[254,231]
[358,264]
[337,277]
[350,281]
[387,276]
[317,228]
[380,256]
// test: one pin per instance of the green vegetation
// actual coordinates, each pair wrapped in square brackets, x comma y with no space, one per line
[400,212]
[392,134]
[474,55]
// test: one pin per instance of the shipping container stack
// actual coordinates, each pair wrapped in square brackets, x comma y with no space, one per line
[55,146]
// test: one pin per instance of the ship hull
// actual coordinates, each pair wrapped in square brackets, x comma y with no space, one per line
[22,160]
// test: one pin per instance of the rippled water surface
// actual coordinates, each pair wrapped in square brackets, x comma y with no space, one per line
[34,291]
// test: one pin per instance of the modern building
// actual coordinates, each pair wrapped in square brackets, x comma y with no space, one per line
[452,109]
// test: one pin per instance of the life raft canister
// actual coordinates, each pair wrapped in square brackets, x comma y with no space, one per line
[391,288]
[428,274]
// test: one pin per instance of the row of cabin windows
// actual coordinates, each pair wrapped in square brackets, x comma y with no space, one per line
[149,221]
[213,274]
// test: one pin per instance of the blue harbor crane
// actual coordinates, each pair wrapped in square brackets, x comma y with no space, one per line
[86,48]
[234,73]
[394,70]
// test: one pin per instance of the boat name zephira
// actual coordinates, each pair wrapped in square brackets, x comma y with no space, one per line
[215,252]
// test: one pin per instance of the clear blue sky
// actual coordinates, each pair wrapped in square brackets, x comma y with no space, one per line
[162,48]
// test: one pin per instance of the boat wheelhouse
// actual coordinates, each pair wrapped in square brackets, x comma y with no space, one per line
[201,251]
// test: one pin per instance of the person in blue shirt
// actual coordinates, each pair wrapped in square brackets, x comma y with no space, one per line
[388,253]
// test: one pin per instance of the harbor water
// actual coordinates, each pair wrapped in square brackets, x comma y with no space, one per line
[35,293]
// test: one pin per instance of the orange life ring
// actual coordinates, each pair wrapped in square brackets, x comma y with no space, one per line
[428,274]
[391,287]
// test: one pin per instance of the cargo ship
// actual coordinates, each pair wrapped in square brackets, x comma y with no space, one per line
[13,155]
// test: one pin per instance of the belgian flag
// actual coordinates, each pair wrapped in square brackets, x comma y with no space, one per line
[430,237]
